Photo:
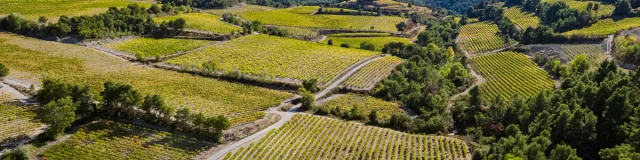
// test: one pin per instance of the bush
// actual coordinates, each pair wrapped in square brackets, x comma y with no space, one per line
[330,42]
[4,70]
[310,85]
[23,152]
[307,100]
[367,46]
[345,45]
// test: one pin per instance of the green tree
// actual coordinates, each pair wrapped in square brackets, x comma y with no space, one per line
[620,152]
[580,64]
[120,101]
[58,115]
[563,152]
[401,26]
[155,9]
[345,45]
[373,117]
[4,71]
[308,99]
[623,8]
[43,19]
[367,46]
[310,85]
[22,152]
[330,42]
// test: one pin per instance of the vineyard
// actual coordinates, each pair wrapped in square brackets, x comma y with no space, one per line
[521,18]
[346,11]
[257,55]
[508,73]
[372,73]
[606,27]
[203,22]
[481,37]
[300,18]
[239,10]
[595,53]
[361,35]
[310,137]
[30,59]
[304,9]
[246,118]
[151,47]
[366,104]
[114,141]
[301,32]
[53,9]
[16,121]
[354,42]
[605,8]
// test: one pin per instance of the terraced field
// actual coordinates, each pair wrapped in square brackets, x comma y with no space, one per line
[258,55]
[53,9]
[595,53]
[296,17]
[522,19]
[114,141]
[31,59]
[310,137]
[16,121]
[508,73]
[239,10]
[606,27]
[372,73]
[354,42]
[151,47]
[481,37]
[605,8]
[367,104]
[203,22]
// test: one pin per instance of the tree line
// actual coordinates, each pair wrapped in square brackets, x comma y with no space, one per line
[129,20]
[65,103]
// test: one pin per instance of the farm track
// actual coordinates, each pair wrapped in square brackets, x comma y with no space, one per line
[12,91]
[286,116]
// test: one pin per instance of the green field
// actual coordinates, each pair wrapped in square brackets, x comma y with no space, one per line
[239,10]
[354,42]
[203,22]
[16,121]
[606,27]
[53,9]
[481,37]
[311,137]
[301,18]
[522,19]
[151,47]
[302,32]
[31,59]
[372,73]
[366,104]
[508,73]
[595,53]
[605,9]
[115,141]
[271,57]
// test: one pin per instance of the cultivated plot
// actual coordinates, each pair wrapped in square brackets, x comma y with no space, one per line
[508,73]
[114,141]
[481,37]
[366,104]
[275,57]
[16,122]
[367,77]
[311,137]
[303,18]
[606,26]
[203,22]
[53,9]
[566,52]
[521,18]
[152,47]
[31,59]
[605,8]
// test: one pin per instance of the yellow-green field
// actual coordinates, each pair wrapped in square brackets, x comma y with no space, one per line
[112,141]
[31,59]
[606,27]
[53,9]
[239,10]
[312,137]
[151,47]
[301,18]
[354,42]
[271,56]
[372,73]
[481,37]
[522,19]
[203,22]
[366,104]
[605,9]
[16,121]
[508,73]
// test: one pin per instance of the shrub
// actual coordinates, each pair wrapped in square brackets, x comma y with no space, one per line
[367,46]
[330,42]
[345,45]
[4,70]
